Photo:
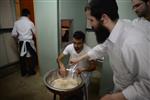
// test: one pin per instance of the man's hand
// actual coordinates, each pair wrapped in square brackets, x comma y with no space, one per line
[80,70]
[63,71]
[114,96]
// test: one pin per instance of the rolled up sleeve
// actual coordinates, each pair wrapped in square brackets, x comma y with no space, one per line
[14,31]
[97,52]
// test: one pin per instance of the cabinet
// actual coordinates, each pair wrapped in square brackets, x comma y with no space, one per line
[6,13]
[8,48]
[3,57]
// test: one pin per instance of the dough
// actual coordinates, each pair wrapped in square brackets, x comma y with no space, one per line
[65,83]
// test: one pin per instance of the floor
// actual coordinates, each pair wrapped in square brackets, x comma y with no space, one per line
[15,87]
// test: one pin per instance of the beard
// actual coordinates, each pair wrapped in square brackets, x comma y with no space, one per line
[142,13]
[76,48]
[101,32]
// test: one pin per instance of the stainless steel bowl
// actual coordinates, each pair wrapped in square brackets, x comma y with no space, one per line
[52,75]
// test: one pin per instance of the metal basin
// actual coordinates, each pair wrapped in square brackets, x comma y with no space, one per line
[52,75]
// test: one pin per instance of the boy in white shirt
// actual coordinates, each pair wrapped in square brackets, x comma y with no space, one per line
[74,50]
[24,31]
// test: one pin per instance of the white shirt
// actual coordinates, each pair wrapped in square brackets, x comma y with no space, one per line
[69,50]
[142,24]
[128,50]
[24,29]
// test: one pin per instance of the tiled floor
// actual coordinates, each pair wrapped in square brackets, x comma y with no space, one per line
[15,87]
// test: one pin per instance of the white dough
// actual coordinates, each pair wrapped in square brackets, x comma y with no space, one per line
[65,83]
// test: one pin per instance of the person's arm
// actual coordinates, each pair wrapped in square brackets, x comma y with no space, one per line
[137,62]
[95,53]
[15,34]
[14,31]
[92,67]
[33,29]
[62,69]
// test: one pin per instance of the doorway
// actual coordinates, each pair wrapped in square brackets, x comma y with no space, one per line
[66,32]
[28,4]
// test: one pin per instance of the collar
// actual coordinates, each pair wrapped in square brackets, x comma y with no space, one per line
[115,33]
[144,19]
[23,17]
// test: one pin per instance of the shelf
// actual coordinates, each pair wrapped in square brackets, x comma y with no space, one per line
[5,30]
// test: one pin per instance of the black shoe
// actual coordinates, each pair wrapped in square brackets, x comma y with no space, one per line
[23,74]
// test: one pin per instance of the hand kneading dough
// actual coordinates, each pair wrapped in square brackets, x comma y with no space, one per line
[66,83]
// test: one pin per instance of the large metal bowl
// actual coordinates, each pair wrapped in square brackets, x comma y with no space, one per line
[52,75]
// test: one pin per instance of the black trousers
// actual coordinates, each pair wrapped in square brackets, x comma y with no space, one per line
[25,65]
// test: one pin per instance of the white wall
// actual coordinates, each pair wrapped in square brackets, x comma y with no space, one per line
[125,9]
[47,33]
[6,13]
[8,49]
[73,9]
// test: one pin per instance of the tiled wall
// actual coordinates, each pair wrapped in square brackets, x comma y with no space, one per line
[6,13]
[8,49]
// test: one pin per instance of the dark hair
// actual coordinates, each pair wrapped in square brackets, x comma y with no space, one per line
[79,35]
[25,12]
[87,7]
[145,1]
[99,7]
